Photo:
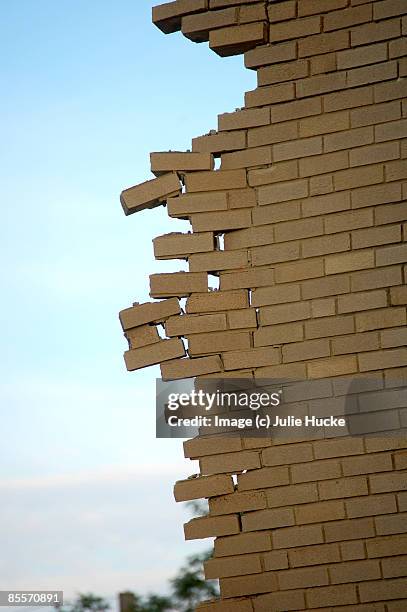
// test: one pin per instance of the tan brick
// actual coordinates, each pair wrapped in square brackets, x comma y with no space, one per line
[372,32]
[207,486]
[347,17]
[168,16]
[231,605]
[325,449]
[187,368]
[274,253]
[281,600]
[391,338]
[349,530]
[386,317]
[324,245]
[320,84]
[207,527]
[376,236]
[391,255]
[282,11]
[237,39]
[320,512]
[398,295]
[215,342]
[221,220]
[397,48]
[275,295]
[392,523]
[382,359]
[180,284]
[334,366]
[249,585]
[142,336]
[150,312]
[186,204]
[323,287]
[284,313]
[193,324]
[329,326]
[383,589]
[153,354]
[362,56]
[323,63]
[349,220]
[219,143]
[285,455]
[252,236]
[362,301]
[329,162]
[295,29]
[355,343]
[230,462]
[278,334]
[325,204]
[300,270]
[265,477]
[276,559]
[216,180]
[270,54]
[383,277]
[350,98]
[218,260]
[252,358]
[197,27]
[323,43]
[242,319]
[346,262]
[242,543]
[330,122]
[303,228]
[394,567]
[390,131]
[248,278]
[289,71]
[371,505]
[301,351]
[268,519]
[348,138]
[232,566]
[358,571]
[274,213]
[388,8]
[350,551]
[269,95]
[245,159]
[318,470]
[382,483]
[296,109]
[358,177]
[179,161]
[373,154]
[243,119]
[179,246]
[297,148]
[395,170]
[292,495]
[237,502]
[291,537]
[379,194]
[250,13]
[390,91]
[323,308]
[242,198]
[344,487]
[300,578]
[200,447]
[150,194]
[386,547]
[286,130]
[378,113]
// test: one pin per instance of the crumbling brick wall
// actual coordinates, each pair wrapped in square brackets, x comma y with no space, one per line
[310,202]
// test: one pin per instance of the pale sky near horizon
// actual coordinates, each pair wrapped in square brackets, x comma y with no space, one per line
[89,89]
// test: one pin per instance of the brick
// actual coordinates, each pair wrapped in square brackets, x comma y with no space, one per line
[274,253]
[212,181]
[390,91]
[321,184]
[397,48]
[243,543]
[278,334]
[150,312]
[276,559]
[249,585]
[173,161]
[323,287]
[208,486]
[142,336]
[391,524]
[357,260]
[318,470]
[395,170]
[237,39]
[358,571]
[179,246]
[329,326]
[326,204]
[180,284]
[244,119]
[373,32]
[349,530]
[219,143]
[382,277]
[253,12]
[275,295]
[231,605]
[382,359]
[186,204]
[388,8]
[237,502]
[216,342]
[369,54]
[270,54]
[286,130]
[320,512]
[322,308]
[372,74]
[242,319]
[356,302]
[188,368]
[348,221]
[282,11]
[268,519]
[284,313]
[295,29]
[376,236]
[215,301]
[265,477]
[393,568]
[299,270]
[197,27]
[291,537]
[286,455]
[282,600]
[232,566]
[221,220]
[230,462]
[329,122]
[207,527]
[242,198]
[347,17]
[150,194]
[351,551]
[193,324]
[398,295]
[218,260]
[315,7]
[360,96]
[292,495]
[324,245]
[391,338]
[296,110]
[269,95]
[358,177]
[373,154]
[153,354]
[300,578]
[301,351]
[379,113]
[386,317]
[348,138]
[323,43]
[326,449]
[355,343]
[200,447]
[378,194]
[168,16]
[334,366]
[371,505]
[382,483]
[344,487]
[248,278]
[289,71]
[245,159]
[386,547]
[390,131]
[323,63]
[383,589]
[297,148]
[252,236]
[330,162]
[252,358]
[293,230]
[320,84]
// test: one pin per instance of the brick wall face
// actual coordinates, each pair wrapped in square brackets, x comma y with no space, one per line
[310,198]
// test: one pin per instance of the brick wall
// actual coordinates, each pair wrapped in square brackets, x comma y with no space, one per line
[310,200]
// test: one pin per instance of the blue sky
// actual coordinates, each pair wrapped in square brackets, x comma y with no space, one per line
[89,89]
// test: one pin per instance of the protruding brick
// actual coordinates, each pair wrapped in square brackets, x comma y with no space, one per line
[179,161]
[238,39]
[168,16]
[189,368]
[179,246]
[207,527]
[150,312]
[150,194]
[205,486]
[179,284]
[154,353]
